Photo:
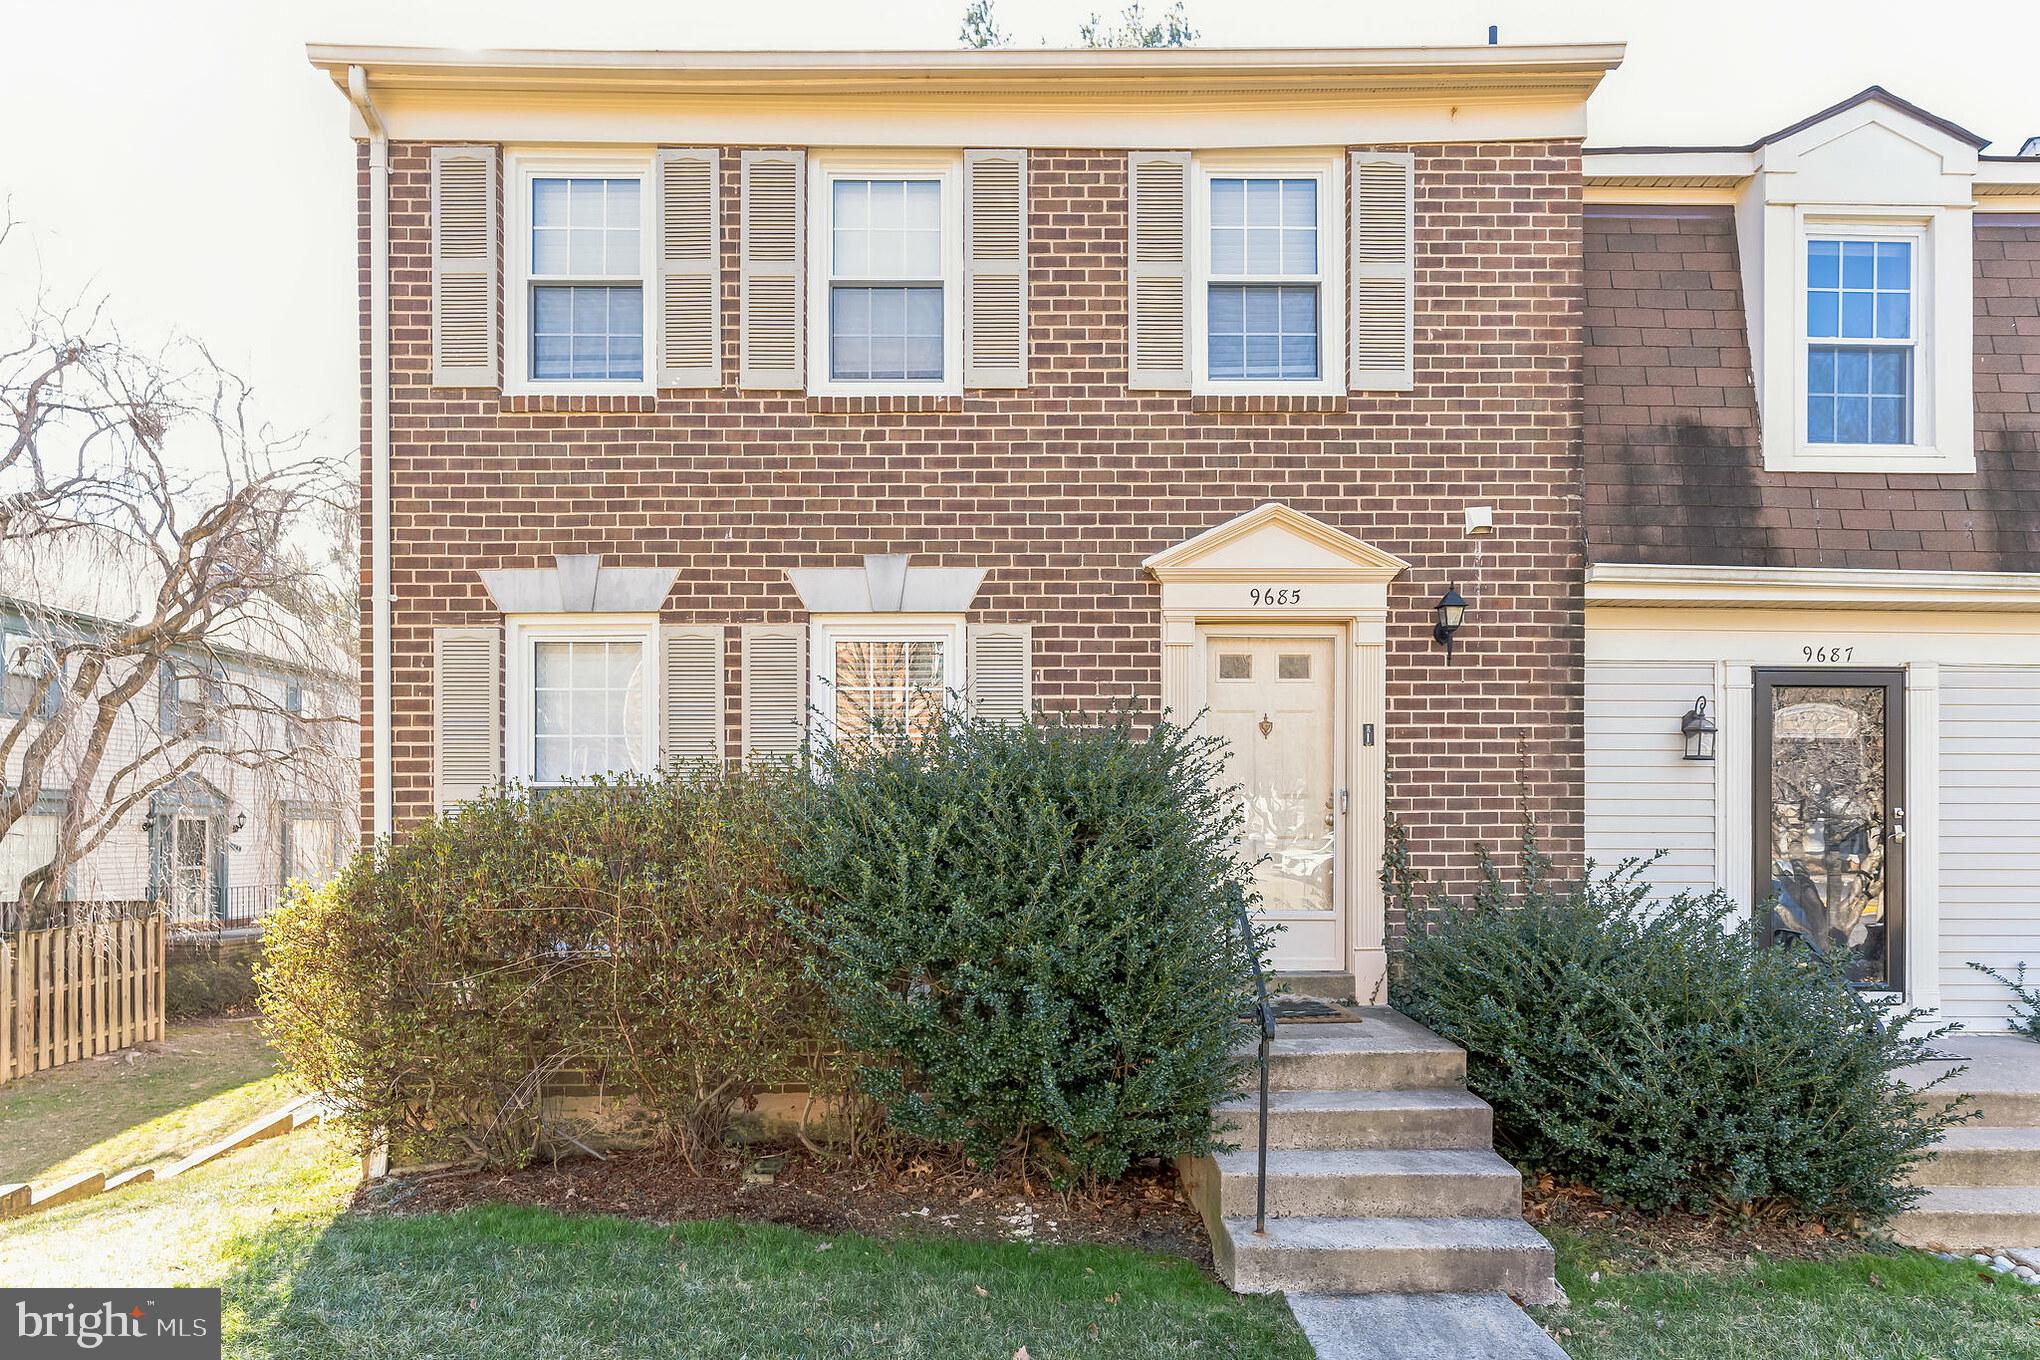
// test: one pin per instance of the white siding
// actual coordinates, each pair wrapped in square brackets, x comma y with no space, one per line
[1990,835]
[1643,796]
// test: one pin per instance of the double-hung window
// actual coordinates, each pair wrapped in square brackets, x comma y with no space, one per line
[885,263]
[579,314]
[582,697]
[885,674]
[1269,310]
[1862,338]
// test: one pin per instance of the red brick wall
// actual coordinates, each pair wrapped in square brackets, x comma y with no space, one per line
[1674,465]
[1061,490]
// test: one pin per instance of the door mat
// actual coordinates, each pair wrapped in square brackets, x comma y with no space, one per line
[1309,1010]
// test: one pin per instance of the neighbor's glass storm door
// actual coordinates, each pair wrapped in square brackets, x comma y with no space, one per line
[1828,771]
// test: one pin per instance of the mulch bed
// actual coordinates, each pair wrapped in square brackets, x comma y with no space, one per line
[923,1196]
[1677,1238]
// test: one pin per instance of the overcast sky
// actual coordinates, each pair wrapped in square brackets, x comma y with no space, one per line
[184,161]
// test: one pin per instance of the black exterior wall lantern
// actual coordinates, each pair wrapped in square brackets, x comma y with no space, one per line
[1699,730]
[1451,613]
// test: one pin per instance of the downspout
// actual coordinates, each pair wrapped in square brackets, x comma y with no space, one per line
[381,770]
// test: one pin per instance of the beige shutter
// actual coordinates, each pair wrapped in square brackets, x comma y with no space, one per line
[775,690]
[467,726]
[774,197]
[464,240]
[691,696]
[1001,680]
[995,269]
[1384,271]
[1158,270]
[690,268]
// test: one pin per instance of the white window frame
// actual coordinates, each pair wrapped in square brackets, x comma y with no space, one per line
[1329,169]
[826,630]
[524,167]
[1915,233]
[824,169]
[523,632]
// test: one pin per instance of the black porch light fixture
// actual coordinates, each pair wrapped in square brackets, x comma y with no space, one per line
[1451,613]
[1699,730]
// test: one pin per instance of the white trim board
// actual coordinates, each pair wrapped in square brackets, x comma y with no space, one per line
[1673,586]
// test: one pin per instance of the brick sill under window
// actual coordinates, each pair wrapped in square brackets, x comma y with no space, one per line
[1244,403]
[879,404]
[580,401]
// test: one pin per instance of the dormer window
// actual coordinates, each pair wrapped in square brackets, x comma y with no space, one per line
[1862,333]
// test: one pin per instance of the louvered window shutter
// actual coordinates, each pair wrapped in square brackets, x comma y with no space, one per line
[774,197]
[464,247]
[995,269]
[1158,270]
[1384,271]
[1001,680]
[690,268]
[467,726]
[692,695]
[775,691]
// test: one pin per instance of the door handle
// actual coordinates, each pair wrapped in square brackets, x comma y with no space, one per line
[1897,835]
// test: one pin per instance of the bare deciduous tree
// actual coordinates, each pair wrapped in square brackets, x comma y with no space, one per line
[152,530]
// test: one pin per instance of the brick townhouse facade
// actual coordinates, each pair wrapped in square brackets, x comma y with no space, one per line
[713,399]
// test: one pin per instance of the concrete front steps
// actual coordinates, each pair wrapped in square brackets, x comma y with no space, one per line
[1382,1177]
[1982,1186]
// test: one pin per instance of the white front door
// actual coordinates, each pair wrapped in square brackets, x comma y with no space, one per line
[1271,699]
[191,867]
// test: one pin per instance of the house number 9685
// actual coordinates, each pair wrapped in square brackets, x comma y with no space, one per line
[1273,595]
[1817,653]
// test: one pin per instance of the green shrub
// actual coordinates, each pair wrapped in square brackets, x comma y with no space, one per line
[625,931]
[197,988]
[2025,1003]
[1026,934]
[1657,1052]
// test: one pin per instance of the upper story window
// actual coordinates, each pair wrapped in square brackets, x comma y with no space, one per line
[1262,294]
[1269,299]
[581,697]
[579,317]
[886,265]
[1861,335]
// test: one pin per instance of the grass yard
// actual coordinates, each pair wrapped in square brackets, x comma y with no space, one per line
[305,1278]
[141,1106]
[1898,1305]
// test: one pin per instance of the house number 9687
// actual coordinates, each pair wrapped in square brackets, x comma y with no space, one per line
[1273,595]
[1816,653]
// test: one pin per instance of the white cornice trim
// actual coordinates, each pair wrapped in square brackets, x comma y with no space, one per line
[1567,65]
[1663,586]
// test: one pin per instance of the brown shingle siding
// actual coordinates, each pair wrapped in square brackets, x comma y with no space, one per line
[1674,468]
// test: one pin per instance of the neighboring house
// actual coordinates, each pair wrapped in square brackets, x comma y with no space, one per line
[709,391]
[217,842]
[1813,500]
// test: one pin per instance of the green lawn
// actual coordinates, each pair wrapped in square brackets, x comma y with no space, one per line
[1898,1305]
[304,1278]
[142,1106]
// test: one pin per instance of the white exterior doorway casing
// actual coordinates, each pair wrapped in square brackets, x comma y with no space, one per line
[1272,573]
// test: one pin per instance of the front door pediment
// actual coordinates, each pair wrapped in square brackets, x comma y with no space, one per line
[1274,541]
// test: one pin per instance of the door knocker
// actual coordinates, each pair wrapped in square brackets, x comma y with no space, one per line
[1266,726]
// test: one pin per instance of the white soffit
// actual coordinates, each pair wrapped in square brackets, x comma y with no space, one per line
[1666,586]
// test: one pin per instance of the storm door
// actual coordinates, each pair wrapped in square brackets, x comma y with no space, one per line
[1829,775]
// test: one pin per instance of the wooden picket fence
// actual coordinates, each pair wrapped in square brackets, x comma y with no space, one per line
[79,990]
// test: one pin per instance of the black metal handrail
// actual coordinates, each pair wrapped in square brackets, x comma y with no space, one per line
[1266,1014]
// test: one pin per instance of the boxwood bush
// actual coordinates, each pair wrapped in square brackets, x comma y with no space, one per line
[1026,934]
[627,933]
[1655,1050]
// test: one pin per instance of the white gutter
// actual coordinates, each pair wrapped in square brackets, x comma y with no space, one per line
[382,766]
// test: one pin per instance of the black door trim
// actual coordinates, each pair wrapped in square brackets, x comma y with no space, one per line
[1892,682]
